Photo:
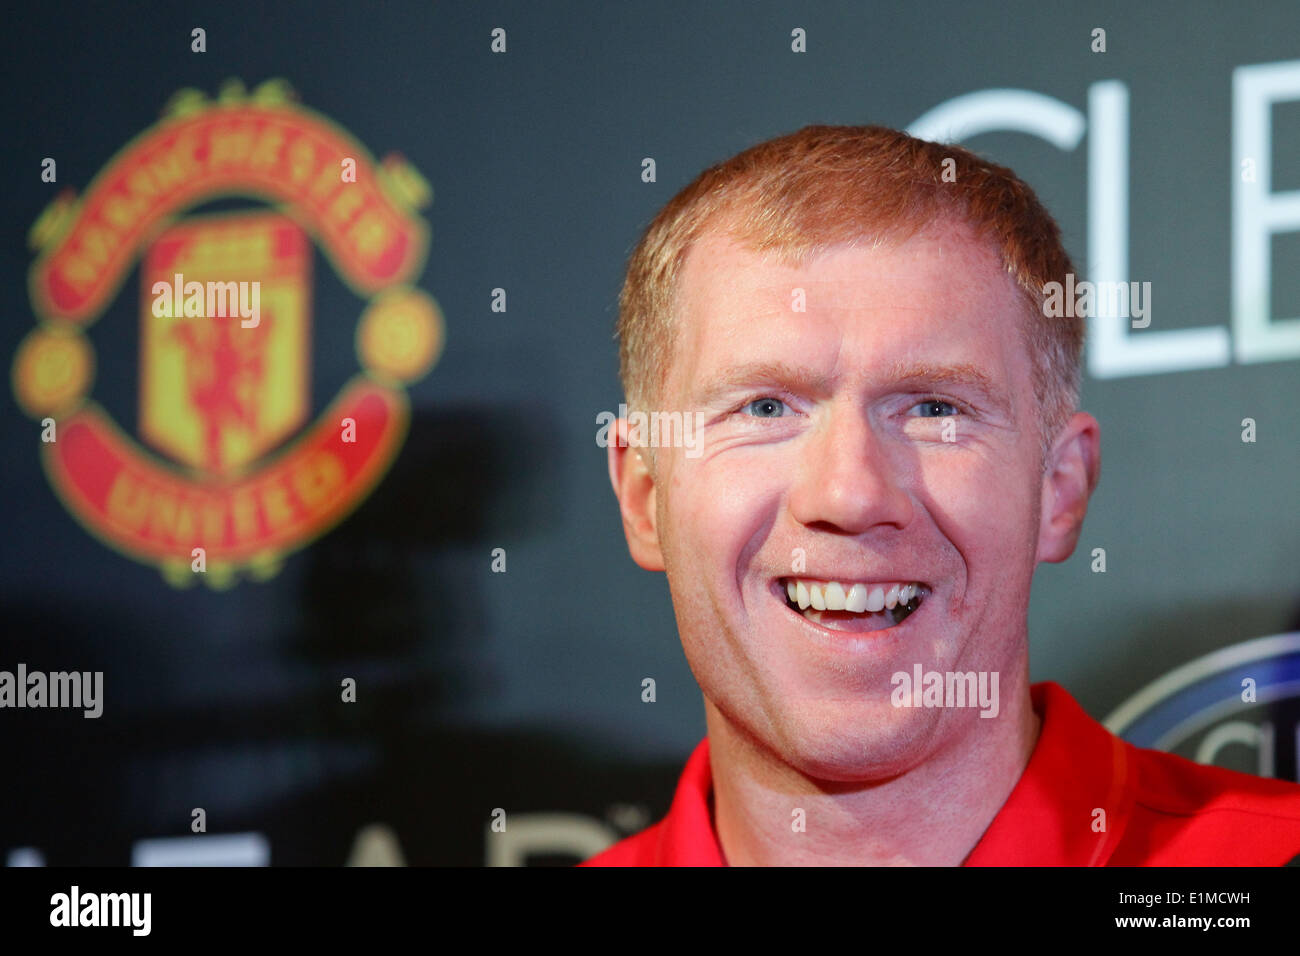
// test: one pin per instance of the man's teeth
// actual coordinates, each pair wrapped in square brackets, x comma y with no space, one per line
[857,598]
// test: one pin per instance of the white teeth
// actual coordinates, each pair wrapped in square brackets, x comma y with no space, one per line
[815,593]
[822,595]
[857,599]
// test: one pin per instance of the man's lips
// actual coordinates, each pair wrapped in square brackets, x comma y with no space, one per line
[849,605]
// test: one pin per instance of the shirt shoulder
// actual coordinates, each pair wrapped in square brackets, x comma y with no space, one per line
[1190,814]
[636,850]
[684,837]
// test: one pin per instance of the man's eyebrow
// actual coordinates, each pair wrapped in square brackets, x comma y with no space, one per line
[927,373]
[909,375]
[763,375]
[923,375]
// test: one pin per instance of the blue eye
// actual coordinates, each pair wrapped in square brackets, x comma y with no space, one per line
[934,408]
[766,408]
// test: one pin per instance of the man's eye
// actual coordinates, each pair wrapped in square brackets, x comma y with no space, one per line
[934,408]
[766,408]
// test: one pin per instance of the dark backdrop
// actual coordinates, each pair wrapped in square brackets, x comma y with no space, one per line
[521,690]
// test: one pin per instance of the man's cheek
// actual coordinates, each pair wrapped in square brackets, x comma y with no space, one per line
[721,501]
[982,511]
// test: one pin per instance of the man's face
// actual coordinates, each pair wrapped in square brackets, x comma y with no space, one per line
[869,420]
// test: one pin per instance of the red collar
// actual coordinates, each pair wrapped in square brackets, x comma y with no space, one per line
[1077,768]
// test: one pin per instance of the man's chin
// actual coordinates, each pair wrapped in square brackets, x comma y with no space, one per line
[857,747]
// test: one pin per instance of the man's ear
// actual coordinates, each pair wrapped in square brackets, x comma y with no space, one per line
[1073,469]
[634,485]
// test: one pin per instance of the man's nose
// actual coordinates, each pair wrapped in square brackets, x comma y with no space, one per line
[849,479]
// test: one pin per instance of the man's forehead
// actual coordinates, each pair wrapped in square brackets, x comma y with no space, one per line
[719,264]
[941,284]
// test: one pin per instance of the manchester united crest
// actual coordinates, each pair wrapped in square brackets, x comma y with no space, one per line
[227,471]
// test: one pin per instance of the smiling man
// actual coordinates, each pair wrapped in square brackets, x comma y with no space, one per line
[888,446]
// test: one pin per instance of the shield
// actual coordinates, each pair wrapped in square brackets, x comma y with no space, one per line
[216,391]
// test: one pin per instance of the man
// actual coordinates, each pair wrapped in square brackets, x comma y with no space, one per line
[888,445]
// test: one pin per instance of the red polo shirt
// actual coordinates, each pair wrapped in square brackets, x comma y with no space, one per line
[1161,810]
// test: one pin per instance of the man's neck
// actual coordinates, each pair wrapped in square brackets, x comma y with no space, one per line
[932,815]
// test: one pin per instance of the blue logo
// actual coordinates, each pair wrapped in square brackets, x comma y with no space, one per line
[1238,707]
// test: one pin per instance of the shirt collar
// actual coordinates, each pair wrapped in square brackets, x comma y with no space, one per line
[687,837]
[1069,806]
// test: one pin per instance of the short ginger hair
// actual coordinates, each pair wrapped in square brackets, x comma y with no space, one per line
[823,186]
